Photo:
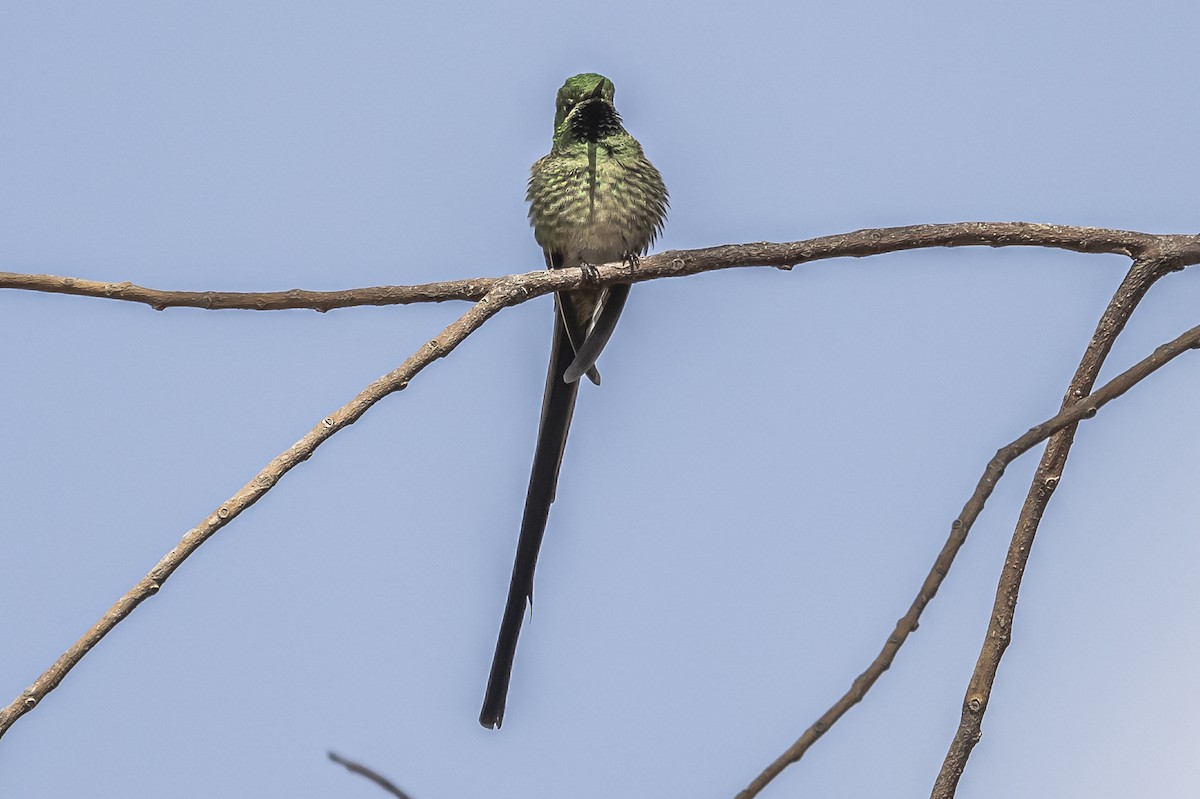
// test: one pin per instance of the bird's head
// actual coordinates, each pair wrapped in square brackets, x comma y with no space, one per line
[584,110]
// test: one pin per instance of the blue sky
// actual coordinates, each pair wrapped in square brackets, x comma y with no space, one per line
[746,506]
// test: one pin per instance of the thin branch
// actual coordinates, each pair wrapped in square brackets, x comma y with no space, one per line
[493,294]
[1085,408]
[371,774]
[1184,249]
[160,299]
[503,294]
[1142,275]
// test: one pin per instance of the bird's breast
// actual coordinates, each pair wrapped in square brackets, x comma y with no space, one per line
[587,207]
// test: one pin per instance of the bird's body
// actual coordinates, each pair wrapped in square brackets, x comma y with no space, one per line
[596,201]
[592,200]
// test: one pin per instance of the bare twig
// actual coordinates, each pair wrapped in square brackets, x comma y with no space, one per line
[371,774]
[493,294]
[159,299]
[1071,414]
[1142,275]
[502,295]
[674,263]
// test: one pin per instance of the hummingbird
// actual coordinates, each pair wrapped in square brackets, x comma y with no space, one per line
[594,198]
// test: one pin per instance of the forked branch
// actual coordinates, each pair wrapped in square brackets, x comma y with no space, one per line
[1142,275]
[502,294]
[1072,412]
[1153,254]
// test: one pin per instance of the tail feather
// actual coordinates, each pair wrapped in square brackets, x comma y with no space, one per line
[558,405]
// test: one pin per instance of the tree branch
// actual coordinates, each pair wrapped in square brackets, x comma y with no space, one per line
[160,299]
[1142,275]
[1184,249]
[369,773]
[503,294]
[494,294]
[1071,414]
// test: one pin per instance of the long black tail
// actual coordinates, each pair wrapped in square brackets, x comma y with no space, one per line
[558,404]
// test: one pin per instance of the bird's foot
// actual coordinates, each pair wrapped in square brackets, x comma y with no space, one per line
[633,259]
[590,273]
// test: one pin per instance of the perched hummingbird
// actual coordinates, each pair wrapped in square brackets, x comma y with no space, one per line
[593,199]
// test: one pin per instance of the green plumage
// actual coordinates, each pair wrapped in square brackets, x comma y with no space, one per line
[594,198]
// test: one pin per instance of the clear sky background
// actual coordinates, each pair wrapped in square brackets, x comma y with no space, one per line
[747,505]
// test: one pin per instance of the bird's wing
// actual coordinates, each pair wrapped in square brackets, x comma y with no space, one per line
[603,324]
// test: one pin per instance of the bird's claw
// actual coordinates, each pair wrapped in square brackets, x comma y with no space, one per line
[590,273]
[633,259]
